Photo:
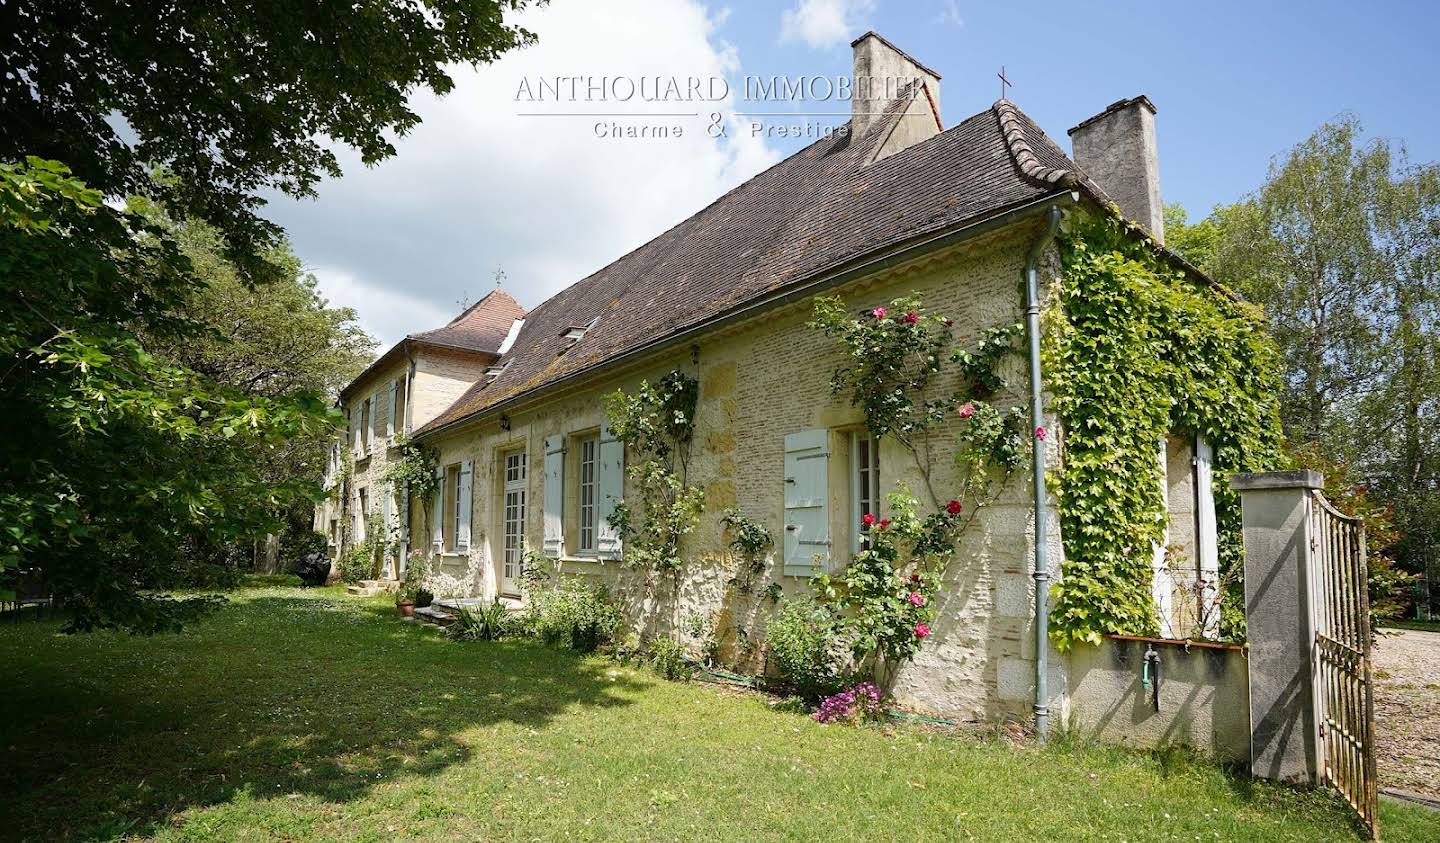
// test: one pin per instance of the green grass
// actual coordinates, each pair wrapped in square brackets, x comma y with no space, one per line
[309,715]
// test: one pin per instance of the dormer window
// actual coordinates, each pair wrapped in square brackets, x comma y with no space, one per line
[576,333]
[494,372]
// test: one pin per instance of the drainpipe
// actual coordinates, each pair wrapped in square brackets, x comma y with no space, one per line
[1037,420]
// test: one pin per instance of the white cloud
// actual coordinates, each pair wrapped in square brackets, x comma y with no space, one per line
[950,13]
[824,23]
[477,185]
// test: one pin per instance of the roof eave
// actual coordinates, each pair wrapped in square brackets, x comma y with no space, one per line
[815,282]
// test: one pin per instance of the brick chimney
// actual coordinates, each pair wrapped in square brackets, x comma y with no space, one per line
[881,72]
[1116,148]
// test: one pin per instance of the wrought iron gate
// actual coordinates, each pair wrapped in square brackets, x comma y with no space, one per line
[1345,709]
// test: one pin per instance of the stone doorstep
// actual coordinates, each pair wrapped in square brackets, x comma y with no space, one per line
[370,588]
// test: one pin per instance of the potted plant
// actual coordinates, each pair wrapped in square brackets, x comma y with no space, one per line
[405,602]
[412,591]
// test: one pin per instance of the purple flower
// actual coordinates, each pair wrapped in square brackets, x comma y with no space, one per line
[1040,433]
[916,599]
[878,313]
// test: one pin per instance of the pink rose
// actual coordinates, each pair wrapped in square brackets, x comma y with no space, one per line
[922,630]
[967,410]
[917,599]
[878,313]
[1040,433]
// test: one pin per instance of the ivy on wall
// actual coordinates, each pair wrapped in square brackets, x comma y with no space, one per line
[1136,349]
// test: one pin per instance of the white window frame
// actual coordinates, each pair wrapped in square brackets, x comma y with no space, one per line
[588,497]
[450,500]
[864,484]
[514,499]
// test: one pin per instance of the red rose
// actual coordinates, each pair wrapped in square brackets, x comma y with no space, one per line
[911,318]
[953,507]
[868,519]
[884,522]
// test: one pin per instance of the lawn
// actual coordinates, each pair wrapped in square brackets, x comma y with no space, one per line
[310,715]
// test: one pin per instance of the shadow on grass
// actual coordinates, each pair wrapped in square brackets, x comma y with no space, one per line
[275,696]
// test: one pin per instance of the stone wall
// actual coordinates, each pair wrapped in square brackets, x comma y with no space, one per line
[441,377]
[1204,696]
[760,381]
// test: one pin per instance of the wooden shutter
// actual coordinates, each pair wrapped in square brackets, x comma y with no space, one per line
[390,411]
[1207,537]
[608,544]
[385,511]
[374,420]
[807,493]
[1161,583]
[554,496]
[437,514]
[462,528]
[355,430]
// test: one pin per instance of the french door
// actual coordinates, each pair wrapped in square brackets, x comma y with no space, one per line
[512,525]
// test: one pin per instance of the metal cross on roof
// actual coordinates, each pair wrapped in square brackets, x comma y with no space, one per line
[1004,82]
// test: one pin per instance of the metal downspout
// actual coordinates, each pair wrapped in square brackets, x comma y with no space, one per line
[1037,421]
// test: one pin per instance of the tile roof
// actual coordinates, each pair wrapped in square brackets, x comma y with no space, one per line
[481,327]
[825,205]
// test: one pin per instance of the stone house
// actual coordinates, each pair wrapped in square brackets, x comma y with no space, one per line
[896,204]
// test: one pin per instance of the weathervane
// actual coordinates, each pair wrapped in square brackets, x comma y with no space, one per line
[499,277]
[1004,83]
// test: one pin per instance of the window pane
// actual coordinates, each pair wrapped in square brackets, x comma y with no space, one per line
[588,450]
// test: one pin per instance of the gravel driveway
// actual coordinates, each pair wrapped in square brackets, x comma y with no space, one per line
[1407,710]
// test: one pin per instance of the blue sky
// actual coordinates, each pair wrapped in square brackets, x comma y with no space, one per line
[478,186]
[1235,83]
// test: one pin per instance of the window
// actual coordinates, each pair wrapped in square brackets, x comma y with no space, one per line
[365,427]
[397,409]
[452,506]
[589,486]
[864,482]
[512,526]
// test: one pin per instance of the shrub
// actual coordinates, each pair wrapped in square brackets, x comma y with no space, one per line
[805,647]
[423,597]
[487,623]
[357,564]
[297,544]
[669,659]
[567,611]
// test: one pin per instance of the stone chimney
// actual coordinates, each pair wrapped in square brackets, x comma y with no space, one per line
[1116,148]
[881,73]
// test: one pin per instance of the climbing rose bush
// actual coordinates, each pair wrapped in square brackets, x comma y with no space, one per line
[854,705]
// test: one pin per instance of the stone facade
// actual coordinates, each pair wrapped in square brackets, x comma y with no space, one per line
[760,381]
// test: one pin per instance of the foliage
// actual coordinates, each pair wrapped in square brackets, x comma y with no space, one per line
[884,600]
[423,597]
[752,542]
[301,544]
[410,469]
[895,357]
[570,612]
[357,563]
[1136,349]
[656,425]
[1341,246]
[234,104]
[486,623]
[120,469]
[854,705]
[417,572]
[805,646]
[669,659]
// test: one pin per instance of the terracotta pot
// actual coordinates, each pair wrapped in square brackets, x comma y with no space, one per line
[407,608]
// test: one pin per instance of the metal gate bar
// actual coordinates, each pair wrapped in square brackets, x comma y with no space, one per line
[1344,698]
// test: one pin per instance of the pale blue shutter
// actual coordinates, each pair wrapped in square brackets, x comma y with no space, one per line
[807,511]
[390,412]
[1207,541]
[385,511]
[608,544]
[462,527]
[437,515]
[355,431]
[554,496]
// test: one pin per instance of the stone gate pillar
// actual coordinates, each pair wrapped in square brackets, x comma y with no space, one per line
[1280,627]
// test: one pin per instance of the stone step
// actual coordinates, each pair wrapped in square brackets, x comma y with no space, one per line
[434,615]
[370,588]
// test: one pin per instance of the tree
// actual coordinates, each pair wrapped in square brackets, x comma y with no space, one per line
[130,440]
[114,463]
[1341,246]
[233,100]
